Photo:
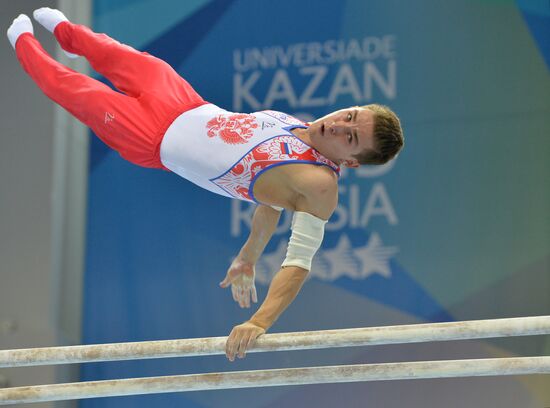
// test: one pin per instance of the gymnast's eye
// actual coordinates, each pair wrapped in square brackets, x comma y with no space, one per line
[350,116]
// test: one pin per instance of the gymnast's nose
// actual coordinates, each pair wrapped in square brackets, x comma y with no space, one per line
[337,129]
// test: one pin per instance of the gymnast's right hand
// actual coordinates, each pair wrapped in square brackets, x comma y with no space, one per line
[240,276]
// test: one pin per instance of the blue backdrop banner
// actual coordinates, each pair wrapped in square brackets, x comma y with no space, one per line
[455,228]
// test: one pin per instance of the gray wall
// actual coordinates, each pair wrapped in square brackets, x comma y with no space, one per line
[43,162]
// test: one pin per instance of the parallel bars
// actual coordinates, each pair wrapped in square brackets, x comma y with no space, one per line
[277,342]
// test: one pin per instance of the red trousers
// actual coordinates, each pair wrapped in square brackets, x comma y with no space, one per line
[133,121]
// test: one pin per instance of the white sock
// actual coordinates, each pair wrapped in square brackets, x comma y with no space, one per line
[22,24]
[50,18]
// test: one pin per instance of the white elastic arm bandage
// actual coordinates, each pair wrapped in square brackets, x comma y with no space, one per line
[306,238]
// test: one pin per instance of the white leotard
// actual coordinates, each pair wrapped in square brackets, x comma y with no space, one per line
[224,152]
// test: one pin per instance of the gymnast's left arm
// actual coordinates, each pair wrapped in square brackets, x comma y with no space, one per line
[240,275]
[307,233]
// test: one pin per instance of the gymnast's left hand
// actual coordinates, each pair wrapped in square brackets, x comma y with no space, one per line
[241,339]
[241,276]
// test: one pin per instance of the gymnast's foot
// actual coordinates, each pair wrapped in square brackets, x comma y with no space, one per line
[22,24]
[50,18]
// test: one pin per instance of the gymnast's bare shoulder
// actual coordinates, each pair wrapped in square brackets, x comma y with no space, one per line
[299,187]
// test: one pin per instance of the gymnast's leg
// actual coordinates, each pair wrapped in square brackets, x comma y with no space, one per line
[135,73]
[115,118]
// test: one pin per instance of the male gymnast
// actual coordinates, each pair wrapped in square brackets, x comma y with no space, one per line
[270,158]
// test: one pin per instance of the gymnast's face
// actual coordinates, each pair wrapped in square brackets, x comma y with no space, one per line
[342,134]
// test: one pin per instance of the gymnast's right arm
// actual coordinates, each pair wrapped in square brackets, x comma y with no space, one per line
[308,223]
[317,200]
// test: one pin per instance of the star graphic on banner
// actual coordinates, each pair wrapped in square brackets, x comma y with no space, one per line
[269,264]
[340,259]
[320,267]
[375,257]
[334,263]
